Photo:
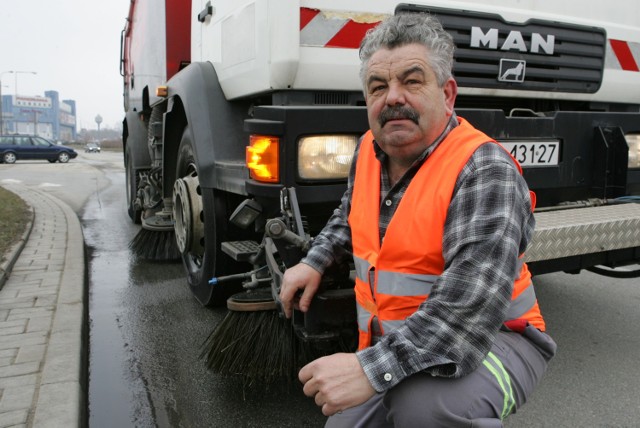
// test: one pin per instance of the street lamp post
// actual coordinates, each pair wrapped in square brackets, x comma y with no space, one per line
[1,111]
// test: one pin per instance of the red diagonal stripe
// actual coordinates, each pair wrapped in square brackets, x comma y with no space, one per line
[306,15]
[624,55]
[350,35]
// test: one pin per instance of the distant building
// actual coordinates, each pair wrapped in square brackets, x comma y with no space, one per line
[46,116]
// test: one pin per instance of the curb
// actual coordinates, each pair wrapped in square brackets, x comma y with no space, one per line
[61,401]
[14,252]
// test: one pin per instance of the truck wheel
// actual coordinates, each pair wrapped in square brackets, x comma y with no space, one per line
[132,187]
[200,226]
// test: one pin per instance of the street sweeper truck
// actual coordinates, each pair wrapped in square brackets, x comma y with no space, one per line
[241,117]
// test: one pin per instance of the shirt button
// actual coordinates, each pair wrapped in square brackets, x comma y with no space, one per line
[387,377]
[388,202]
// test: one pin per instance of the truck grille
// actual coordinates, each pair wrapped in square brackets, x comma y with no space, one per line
[331,98]
[555,56]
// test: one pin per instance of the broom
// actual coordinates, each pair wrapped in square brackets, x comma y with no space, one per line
[156,241]
[255,341]
[155,245]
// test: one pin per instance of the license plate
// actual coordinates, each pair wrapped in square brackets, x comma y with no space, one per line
[534,153]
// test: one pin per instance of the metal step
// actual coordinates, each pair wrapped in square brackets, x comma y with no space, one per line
[240,250]
[579,231]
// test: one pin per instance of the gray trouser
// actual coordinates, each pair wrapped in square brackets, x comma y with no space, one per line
[483,398]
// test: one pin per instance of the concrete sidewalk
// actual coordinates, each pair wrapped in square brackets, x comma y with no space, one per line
[43,319]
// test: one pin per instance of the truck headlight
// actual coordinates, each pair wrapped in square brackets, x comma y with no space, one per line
[633,140]
[325,156]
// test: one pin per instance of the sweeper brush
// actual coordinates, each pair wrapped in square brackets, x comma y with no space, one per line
[155,245]
[255,341]
[156,241]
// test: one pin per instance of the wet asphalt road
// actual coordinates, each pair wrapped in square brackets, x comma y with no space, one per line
[146,331]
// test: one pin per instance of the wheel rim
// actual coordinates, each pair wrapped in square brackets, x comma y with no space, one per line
[63,157]
[9,158]
[188,216]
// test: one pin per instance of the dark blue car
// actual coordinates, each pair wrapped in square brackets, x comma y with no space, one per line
[16,147]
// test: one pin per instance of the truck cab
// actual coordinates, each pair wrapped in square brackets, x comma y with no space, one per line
[228,102]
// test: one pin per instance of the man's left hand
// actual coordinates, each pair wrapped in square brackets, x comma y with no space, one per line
[337,382]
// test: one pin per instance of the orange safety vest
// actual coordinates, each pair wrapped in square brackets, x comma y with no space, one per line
[407,264]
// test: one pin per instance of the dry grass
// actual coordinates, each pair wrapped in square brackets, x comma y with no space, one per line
[14,216]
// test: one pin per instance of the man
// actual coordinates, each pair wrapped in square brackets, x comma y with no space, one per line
[436,215]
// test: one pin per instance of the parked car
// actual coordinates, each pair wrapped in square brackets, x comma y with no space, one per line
[92,148]
[17,147]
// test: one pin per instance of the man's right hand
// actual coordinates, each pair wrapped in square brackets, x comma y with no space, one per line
[300,277]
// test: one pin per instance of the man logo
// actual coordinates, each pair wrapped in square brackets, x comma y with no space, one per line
[511,70]
[515,41]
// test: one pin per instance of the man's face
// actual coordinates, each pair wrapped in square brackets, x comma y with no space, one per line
[407,109]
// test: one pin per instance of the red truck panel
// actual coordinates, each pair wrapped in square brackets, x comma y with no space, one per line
[157,42]
[178,21]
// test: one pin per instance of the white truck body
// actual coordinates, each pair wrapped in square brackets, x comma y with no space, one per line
[259,46]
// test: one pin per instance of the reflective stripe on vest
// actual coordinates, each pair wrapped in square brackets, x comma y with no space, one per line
[408,284]
[519,306]
[522,303]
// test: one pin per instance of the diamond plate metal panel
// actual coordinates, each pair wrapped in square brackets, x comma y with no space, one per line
[578,231]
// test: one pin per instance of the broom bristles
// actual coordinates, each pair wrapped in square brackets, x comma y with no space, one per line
[155,245]
[260,345]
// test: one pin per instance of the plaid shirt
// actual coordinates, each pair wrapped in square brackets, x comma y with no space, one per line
[489,223]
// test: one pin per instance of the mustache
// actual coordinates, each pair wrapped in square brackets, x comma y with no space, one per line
[398,112]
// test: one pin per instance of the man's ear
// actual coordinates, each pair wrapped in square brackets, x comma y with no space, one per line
[450,93]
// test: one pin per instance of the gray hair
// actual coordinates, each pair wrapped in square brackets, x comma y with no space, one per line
[408,28]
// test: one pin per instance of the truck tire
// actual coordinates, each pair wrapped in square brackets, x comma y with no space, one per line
[200,226]
[131,185]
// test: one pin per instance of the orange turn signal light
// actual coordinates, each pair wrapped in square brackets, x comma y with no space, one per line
[162,91]
[262,158]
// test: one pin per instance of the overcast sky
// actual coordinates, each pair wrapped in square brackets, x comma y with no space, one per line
[73,46]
